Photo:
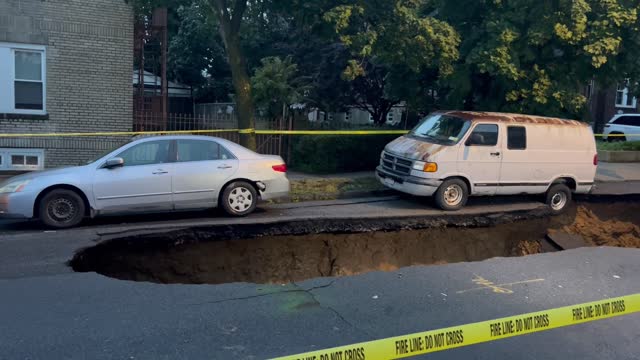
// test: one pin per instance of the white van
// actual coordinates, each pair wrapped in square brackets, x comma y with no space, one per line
[452,155]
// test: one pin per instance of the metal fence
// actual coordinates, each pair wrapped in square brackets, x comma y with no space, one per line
[266,144]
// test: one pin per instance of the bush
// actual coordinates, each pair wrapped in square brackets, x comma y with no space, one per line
[337,153]
[619,146]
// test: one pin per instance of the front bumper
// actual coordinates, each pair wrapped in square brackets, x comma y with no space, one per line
[408,184]
[16,206]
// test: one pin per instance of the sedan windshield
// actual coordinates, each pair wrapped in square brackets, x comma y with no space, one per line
[442,129]
[102,154]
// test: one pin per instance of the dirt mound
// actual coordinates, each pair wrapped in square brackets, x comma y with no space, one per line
[598,232]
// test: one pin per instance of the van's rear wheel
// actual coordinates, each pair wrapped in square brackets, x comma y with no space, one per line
[452,195]
[558,197]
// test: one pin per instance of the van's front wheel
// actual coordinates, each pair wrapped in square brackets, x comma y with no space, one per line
[558,197]
[452,195]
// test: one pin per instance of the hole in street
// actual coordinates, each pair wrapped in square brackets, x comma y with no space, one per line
[282,259]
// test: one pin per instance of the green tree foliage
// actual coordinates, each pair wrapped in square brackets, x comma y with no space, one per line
[536,56]
[391,44]
[197,55]
[276,84]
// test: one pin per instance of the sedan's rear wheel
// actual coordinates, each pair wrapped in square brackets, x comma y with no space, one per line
[239,199]
[61,209]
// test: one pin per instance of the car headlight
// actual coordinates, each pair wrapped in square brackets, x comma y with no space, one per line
[425,166]
[13,187]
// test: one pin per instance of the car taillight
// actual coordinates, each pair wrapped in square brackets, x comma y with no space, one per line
[280,168]
[595,159]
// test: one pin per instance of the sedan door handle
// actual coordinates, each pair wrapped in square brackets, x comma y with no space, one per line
[160,172]
[225,167]
[495,154]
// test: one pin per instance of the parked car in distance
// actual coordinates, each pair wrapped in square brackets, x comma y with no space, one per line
[152,174]
[625,127]
[453,155]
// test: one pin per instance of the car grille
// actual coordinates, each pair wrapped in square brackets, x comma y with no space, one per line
[396,165]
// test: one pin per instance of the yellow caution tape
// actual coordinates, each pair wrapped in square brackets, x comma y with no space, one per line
[475,333]
[331,132]
[239,131]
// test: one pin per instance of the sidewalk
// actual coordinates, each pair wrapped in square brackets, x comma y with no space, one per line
[616,172]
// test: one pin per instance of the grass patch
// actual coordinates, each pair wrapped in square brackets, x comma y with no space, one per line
[619,146]
[330,189]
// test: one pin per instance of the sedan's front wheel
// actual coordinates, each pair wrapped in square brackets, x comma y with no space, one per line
[239,199]
[62,208]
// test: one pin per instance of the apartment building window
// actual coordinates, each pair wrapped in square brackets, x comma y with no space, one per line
[624,99]
[21,159]
[23,74]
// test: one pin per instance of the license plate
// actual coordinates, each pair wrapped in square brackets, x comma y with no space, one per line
[389,182]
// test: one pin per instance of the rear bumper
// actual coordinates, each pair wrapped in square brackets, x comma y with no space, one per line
[275,189]
[408,184]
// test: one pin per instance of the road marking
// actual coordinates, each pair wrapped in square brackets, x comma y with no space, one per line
[496,288]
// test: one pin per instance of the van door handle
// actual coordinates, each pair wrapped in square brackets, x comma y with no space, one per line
[495,154]
[225,167]
[160,172]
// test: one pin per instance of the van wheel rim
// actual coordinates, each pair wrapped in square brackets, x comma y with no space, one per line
[453,195]
[558,201]
[62,209]
[240,199]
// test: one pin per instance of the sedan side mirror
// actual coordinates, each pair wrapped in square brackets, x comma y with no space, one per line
[114,163]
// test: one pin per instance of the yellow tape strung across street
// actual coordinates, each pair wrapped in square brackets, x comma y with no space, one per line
[239,131]
[475,333]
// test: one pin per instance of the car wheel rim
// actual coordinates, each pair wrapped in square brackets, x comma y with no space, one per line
[62,209]
[240,199]
[558,201]
[453,195]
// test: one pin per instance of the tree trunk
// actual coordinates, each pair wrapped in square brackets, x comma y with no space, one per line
[229,31]
[242,86]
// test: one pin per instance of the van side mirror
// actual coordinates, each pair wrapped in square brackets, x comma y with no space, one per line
[114,163]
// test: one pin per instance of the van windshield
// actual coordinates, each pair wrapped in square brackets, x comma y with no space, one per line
[441,129]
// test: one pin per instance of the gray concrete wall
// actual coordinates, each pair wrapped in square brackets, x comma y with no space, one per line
[89,58]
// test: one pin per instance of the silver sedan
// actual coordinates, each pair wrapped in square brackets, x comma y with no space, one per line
[153,174]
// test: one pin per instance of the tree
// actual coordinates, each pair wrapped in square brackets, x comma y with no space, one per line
[391,42]
[276,85]
[196,57]
[229,14]
[536,56]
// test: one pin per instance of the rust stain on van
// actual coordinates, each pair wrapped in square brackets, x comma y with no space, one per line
[511,118]
[413,149]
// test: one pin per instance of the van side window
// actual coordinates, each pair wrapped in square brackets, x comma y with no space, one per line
[516,138]
[484,135]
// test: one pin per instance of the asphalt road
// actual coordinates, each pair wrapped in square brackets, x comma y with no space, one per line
[48,311]
[87,316]
[26,249]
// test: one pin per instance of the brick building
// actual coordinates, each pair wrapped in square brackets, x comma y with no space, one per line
[65,66]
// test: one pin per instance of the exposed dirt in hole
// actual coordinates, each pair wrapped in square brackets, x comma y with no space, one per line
[280,259]
[607,224]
